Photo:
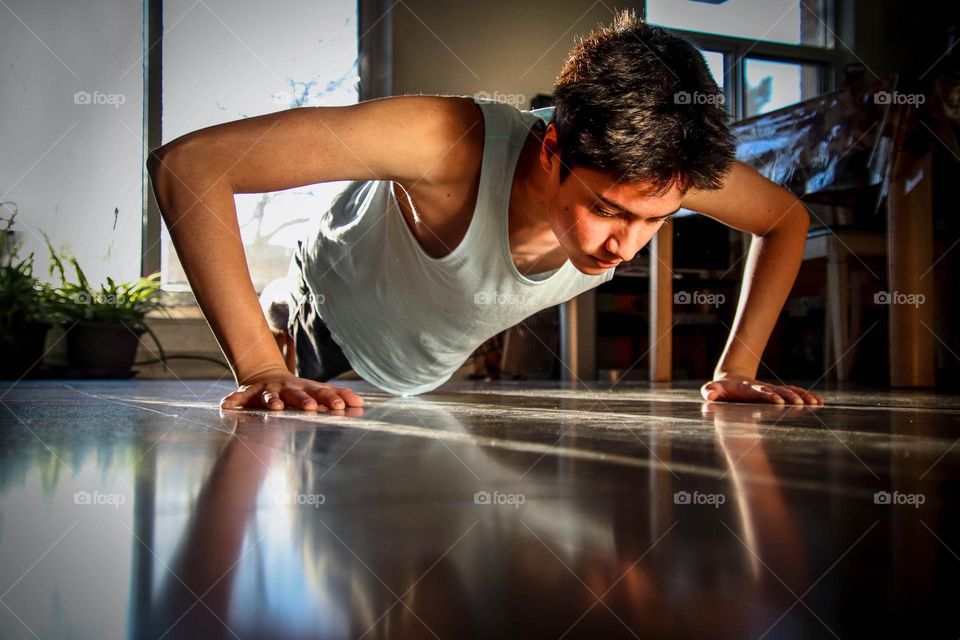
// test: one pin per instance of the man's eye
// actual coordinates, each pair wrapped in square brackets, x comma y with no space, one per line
[605,214]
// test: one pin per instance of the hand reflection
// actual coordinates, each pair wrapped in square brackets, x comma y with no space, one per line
[202,567]
[261,416]
[767,528]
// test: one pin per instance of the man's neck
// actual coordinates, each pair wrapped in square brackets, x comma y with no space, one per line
[534,245]
[528,206]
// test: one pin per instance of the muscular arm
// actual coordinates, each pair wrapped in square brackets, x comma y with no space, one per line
[196,176]
[778,222]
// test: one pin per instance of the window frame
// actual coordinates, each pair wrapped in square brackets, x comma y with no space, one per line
[736,50]
[375,55]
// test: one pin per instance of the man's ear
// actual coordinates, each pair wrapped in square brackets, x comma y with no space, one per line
[550,149]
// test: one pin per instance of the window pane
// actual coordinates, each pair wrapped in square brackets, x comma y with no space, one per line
[714,60]
[786,21]
[773,85]
[715,64]
[224,60]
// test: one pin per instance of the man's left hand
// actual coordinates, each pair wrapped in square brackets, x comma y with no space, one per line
[734,388]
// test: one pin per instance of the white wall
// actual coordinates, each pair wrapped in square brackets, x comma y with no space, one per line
[67,165]
[515,48]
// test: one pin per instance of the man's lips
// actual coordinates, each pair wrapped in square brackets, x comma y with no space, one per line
[605,264]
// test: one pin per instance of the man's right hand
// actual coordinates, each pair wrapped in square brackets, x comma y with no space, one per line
[277,389]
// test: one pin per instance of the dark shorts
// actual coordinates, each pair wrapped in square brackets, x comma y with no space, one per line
[318,356]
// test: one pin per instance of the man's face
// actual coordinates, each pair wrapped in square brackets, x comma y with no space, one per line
[596,234]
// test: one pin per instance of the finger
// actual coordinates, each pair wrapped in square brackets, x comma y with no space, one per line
[298,399]
[240,398]
[349,397]
[768,394]
[270,398]
[788,396]
[743,392]
[232,400]
[327,397]
[809,397]
[747,391]
[711,391]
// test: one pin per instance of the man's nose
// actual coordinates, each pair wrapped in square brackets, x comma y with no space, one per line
[615,248]
[626,247]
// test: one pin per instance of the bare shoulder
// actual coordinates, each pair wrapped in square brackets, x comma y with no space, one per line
[445,196]
[456,139]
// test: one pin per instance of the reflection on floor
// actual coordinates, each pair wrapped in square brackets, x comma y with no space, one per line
[138,509]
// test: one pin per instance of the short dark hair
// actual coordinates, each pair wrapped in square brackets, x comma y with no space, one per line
[640,104]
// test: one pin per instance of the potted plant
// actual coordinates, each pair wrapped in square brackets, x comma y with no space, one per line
[105,322]
[24,307]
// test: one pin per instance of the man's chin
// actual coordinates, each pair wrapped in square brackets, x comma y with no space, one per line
[588,267]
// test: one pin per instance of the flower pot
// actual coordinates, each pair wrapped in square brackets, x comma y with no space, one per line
[24,351]
[105,348]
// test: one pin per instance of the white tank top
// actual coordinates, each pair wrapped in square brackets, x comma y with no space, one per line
[406,321]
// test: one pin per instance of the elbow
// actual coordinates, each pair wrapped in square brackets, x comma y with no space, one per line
[794,221]
[804,217]
[174,165]
[160,159]
[168,176]
[153,161]
[185,160]
[800,218]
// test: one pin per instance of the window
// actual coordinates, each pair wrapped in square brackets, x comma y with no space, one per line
[764,54]
[783,21]
[771,85]
[714,61]
[225,60]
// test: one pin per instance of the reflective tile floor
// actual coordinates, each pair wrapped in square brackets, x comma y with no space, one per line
[139,509]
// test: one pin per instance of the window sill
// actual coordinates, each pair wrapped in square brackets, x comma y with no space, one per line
[178,312]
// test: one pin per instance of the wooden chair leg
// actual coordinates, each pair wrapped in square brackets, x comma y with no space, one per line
[828,355]
[838,304]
